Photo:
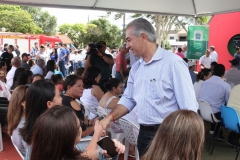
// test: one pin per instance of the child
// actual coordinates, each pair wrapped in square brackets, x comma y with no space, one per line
[57,79]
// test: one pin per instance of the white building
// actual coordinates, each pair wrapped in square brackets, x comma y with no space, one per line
[177,38]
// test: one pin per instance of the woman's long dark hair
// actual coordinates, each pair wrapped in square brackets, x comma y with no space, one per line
[114,82]
[55,54]
[16,74]
[50,132]
[204,72]
[22,79]
[50,66]
[2,64]
[38,94]
[89,77]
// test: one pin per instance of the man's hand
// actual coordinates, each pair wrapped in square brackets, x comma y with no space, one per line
[99,53]
[105,122]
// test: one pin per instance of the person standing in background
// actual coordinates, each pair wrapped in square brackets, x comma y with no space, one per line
[34,51]
[237,55]
[67,58]
[213,54]
[7,56]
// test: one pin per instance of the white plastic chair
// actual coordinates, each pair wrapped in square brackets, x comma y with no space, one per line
[20,154]
[130,136]
[207,114]
[1,141]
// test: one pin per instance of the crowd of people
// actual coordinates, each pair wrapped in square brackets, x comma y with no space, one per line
[49,89]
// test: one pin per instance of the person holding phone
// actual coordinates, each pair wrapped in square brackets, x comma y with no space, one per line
[52,128]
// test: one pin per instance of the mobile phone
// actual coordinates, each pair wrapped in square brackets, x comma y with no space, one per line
[100,118]
[107,144]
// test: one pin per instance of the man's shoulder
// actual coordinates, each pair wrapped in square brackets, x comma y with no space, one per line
[108,55]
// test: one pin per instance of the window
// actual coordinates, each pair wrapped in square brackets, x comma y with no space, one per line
[171,38]
[182,38]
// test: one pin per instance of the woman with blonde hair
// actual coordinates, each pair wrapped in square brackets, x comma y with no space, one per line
[179,137]
[16,116]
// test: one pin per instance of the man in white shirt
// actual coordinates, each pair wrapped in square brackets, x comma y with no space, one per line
[42,54]
[213,54]
[206,60]
[38,68]
[216,92]
[15,64]
[233,75]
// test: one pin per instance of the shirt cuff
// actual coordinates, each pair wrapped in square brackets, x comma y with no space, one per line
[127,102]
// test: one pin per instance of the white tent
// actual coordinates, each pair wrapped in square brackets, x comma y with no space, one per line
[169,7]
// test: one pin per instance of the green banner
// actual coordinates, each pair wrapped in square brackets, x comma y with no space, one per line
[197,41]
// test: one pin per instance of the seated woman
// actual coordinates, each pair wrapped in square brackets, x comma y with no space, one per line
[16,117]
[180,137]
[92,92]
[110,99]
[57,79]
[36,77]
[73,87]
[64,124]
[40,96]
[23,78]
[3,71]
[201,77]
[51,66]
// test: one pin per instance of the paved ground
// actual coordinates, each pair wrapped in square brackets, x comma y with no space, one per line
[222,150]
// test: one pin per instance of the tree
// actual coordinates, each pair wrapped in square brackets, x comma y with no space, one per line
[75,32]
[42,19]
[14,19]
[111,34]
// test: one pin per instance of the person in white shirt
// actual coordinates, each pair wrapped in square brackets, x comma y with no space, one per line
[49,49]
[84,53]
[216,91]
[42,54]
[201,77]
[205,61]
[213,54]
[15,64]
[79,58]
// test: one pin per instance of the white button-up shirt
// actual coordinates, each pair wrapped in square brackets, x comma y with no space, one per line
[216,92]
[206,61]
[10,76]
[159,87]
[214,56]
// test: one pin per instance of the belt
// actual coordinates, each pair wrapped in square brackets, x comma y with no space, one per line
[151,127]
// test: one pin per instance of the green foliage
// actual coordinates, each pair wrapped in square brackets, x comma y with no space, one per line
[14,19]
[94,31]
[111,34]
[42,19]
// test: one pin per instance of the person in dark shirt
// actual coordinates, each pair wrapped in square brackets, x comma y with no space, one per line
[102,61]
[7,57]
[24,61]
[5,47]
[17,50]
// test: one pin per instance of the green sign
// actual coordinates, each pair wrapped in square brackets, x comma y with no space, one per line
[197,41]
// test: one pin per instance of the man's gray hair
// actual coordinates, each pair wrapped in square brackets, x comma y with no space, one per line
[212,48]
[40,62]
[142,25]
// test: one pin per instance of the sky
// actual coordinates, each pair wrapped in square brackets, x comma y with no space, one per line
[73,16]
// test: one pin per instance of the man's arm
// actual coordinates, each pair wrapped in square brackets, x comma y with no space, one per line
[121,70]
[182,87]
[117,113]
[109,60]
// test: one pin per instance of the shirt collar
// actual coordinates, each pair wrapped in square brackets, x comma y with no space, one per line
[157,56]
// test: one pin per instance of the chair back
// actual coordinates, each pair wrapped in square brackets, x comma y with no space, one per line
[206,111]
[3,113]
[230,118]
[129,131]
[101,112]
[3,100]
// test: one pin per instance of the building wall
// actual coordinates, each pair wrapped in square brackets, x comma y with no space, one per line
[222,28]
